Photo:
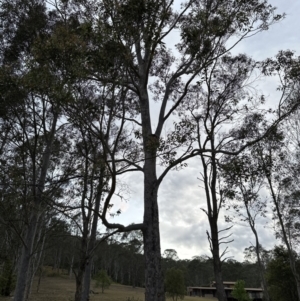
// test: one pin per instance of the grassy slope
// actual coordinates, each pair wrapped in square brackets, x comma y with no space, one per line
[63,289]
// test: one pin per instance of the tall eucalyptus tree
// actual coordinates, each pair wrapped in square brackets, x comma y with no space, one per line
[31,98]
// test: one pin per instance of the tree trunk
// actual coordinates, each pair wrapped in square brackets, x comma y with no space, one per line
[261,270]
[81,269]
[260,265]
[87,282]
[213,207]
[24,264]
[33,221]
[217,263]
[79,280]
[154,286]
[71,267]
[91,245]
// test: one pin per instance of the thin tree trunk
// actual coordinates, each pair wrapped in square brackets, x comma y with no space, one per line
[217,263]
[24,263]
[58,260]
[20,292]
[261,269]
[91,246]
[213,206]
[260,265]
[41,263]
[71,267]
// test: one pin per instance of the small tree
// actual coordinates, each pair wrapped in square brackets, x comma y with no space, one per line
[174,282]
[102,280]
[239,291]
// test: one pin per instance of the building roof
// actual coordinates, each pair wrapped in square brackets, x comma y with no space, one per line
[226,288]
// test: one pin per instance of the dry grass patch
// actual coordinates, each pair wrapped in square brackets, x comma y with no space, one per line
[61,288]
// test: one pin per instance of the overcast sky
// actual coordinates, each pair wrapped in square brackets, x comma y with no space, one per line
[182,223]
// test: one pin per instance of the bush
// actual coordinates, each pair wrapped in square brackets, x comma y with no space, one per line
[102,280]
[174,282]
[239,291]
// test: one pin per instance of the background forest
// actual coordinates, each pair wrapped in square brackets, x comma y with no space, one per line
[94,91]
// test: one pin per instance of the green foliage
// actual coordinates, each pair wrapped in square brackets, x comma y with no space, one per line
[174,282]
[102,280]
[279,276]
[7,279]
[239,291]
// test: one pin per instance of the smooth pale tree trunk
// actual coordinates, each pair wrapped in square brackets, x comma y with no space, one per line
[33,221]
[24,263]
[91,247]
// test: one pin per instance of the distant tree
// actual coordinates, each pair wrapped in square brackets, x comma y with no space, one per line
[102,280]
[244,181]
[200,271]
[239,291]
[170,254]
[175,286]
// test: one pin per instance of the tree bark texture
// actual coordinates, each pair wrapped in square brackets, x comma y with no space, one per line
[154,286]
[81,269]
[217,263]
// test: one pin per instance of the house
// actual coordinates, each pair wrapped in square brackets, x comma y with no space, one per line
[255,294]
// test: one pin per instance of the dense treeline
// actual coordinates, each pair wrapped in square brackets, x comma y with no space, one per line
[123,259]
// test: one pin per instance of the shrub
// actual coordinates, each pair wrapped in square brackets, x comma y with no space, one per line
[174,282]
[102,280]
[239,291]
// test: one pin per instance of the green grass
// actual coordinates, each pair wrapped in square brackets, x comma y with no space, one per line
[61,288]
